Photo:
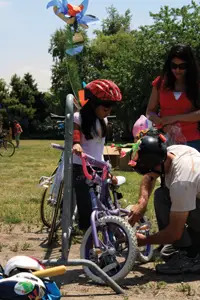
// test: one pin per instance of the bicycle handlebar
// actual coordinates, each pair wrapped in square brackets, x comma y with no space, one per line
[57,117]
[85,158]
[57,146]
[84,165]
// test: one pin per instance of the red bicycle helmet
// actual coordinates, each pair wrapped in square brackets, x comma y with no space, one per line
[103,90]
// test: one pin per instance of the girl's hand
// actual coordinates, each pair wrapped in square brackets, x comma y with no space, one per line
[77,149]
[114,180]
[169,120]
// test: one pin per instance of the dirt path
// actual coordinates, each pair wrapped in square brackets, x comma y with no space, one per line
[142,283]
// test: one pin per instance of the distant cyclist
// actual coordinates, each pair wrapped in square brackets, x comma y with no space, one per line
[176,202]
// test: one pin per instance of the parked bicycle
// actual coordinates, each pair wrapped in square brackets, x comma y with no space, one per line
[52,197]
[7,148]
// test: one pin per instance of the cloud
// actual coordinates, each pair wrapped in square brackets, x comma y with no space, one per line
[4,3]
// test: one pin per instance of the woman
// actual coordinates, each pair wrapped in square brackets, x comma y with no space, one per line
[175,97]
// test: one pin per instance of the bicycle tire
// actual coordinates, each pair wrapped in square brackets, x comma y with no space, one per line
[45,208]
[7,148]
[116,270]
[56,215]
[145,254]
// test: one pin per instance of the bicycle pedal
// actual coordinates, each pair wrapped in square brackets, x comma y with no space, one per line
[97,251]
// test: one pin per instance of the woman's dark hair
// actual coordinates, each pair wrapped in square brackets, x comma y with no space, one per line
[192,78]
[88,119]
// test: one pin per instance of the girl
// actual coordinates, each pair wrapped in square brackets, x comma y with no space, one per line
[175,97]
[89,137]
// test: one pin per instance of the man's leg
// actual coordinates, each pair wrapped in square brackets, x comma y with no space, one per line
[162,205]
[187,259]
[193,229]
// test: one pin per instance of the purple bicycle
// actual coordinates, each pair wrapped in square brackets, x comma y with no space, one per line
[110,241]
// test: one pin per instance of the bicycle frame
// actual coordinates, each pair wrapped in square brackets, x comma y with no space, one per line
[97,200]
[98,208]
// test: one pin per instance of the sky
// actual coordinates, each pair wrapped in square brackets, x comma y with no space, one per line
[26,27]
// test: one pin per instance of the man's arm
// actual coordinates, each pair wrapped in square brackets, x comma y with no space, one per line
[146,188]
[170,234]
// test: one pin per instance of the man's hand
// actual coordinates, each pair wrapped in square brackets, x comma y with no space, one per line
[141,239]
[135,214]
[114,180]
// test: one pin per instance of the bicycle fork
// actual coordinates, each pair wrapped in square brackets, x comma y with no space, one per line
[93,219]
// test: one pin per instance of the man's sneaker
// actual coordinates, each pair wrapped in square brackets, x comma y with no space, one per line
[168,251]
[164,252]
[180,263]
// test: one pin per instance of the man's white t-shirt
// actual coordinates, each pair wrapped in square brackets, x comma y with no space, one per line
[183,178]
[93,147]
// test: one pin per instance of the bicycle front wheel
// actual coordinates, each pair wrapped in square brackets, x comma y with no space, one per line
[7,149]
[118,248]
[56,214]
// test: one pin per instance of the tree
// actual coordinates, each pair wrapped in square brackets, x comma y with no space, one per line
[116,22]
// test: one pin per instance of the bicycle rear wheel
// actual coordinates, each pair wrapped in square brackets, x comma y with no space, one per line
[118,248]
[46,209]
[56,215]
[46,205]
[7,149]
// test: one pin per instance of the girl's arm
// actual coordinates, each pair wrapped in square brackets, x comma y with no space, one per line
[77,149]
[152,107]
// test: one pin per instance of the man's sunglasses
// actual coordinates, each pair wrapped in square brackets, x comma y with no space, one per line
[182,66]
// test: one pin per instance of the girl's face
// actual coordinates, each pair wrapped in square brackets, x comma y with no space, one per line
[178,67]
[102,111]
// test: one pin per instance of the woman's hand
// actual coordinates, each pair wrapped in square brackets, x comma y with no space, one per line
[155,119]
[77,149]
[169,120]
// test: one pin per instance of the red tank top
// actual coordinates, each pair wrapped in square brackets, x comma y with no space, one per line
[169,106]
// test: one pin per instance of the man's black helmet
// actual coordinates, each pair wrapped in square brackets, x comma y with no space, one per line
[152,152]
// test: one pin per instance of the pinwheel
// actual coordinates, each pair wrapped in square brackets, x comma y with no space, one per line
[74,16]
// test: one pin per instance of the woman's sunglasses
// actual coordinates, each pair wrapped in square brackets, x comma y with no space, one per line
[181,66]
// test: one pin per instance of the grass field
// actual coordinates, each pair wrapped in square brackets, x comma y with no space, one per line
[20,193]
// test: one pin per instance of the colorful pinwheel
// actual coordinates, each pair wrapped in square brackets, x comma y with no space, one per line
[74,16]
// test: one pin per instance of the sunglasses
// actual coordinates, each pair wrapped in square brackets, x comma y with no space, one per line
[181,66]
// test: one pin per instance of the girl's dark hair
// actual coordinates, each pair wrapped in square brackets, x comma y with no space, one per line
[192,78]
[88,119]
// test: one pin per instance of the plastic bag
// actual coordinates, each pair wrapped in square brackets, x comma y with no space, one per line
[52,291]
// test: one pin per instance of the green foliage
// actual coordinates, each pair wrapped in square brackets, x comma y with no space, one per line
[116,22]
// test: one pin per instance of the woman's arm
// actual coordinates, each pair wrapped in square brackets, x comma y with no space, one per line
[152,107]
[189,117]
